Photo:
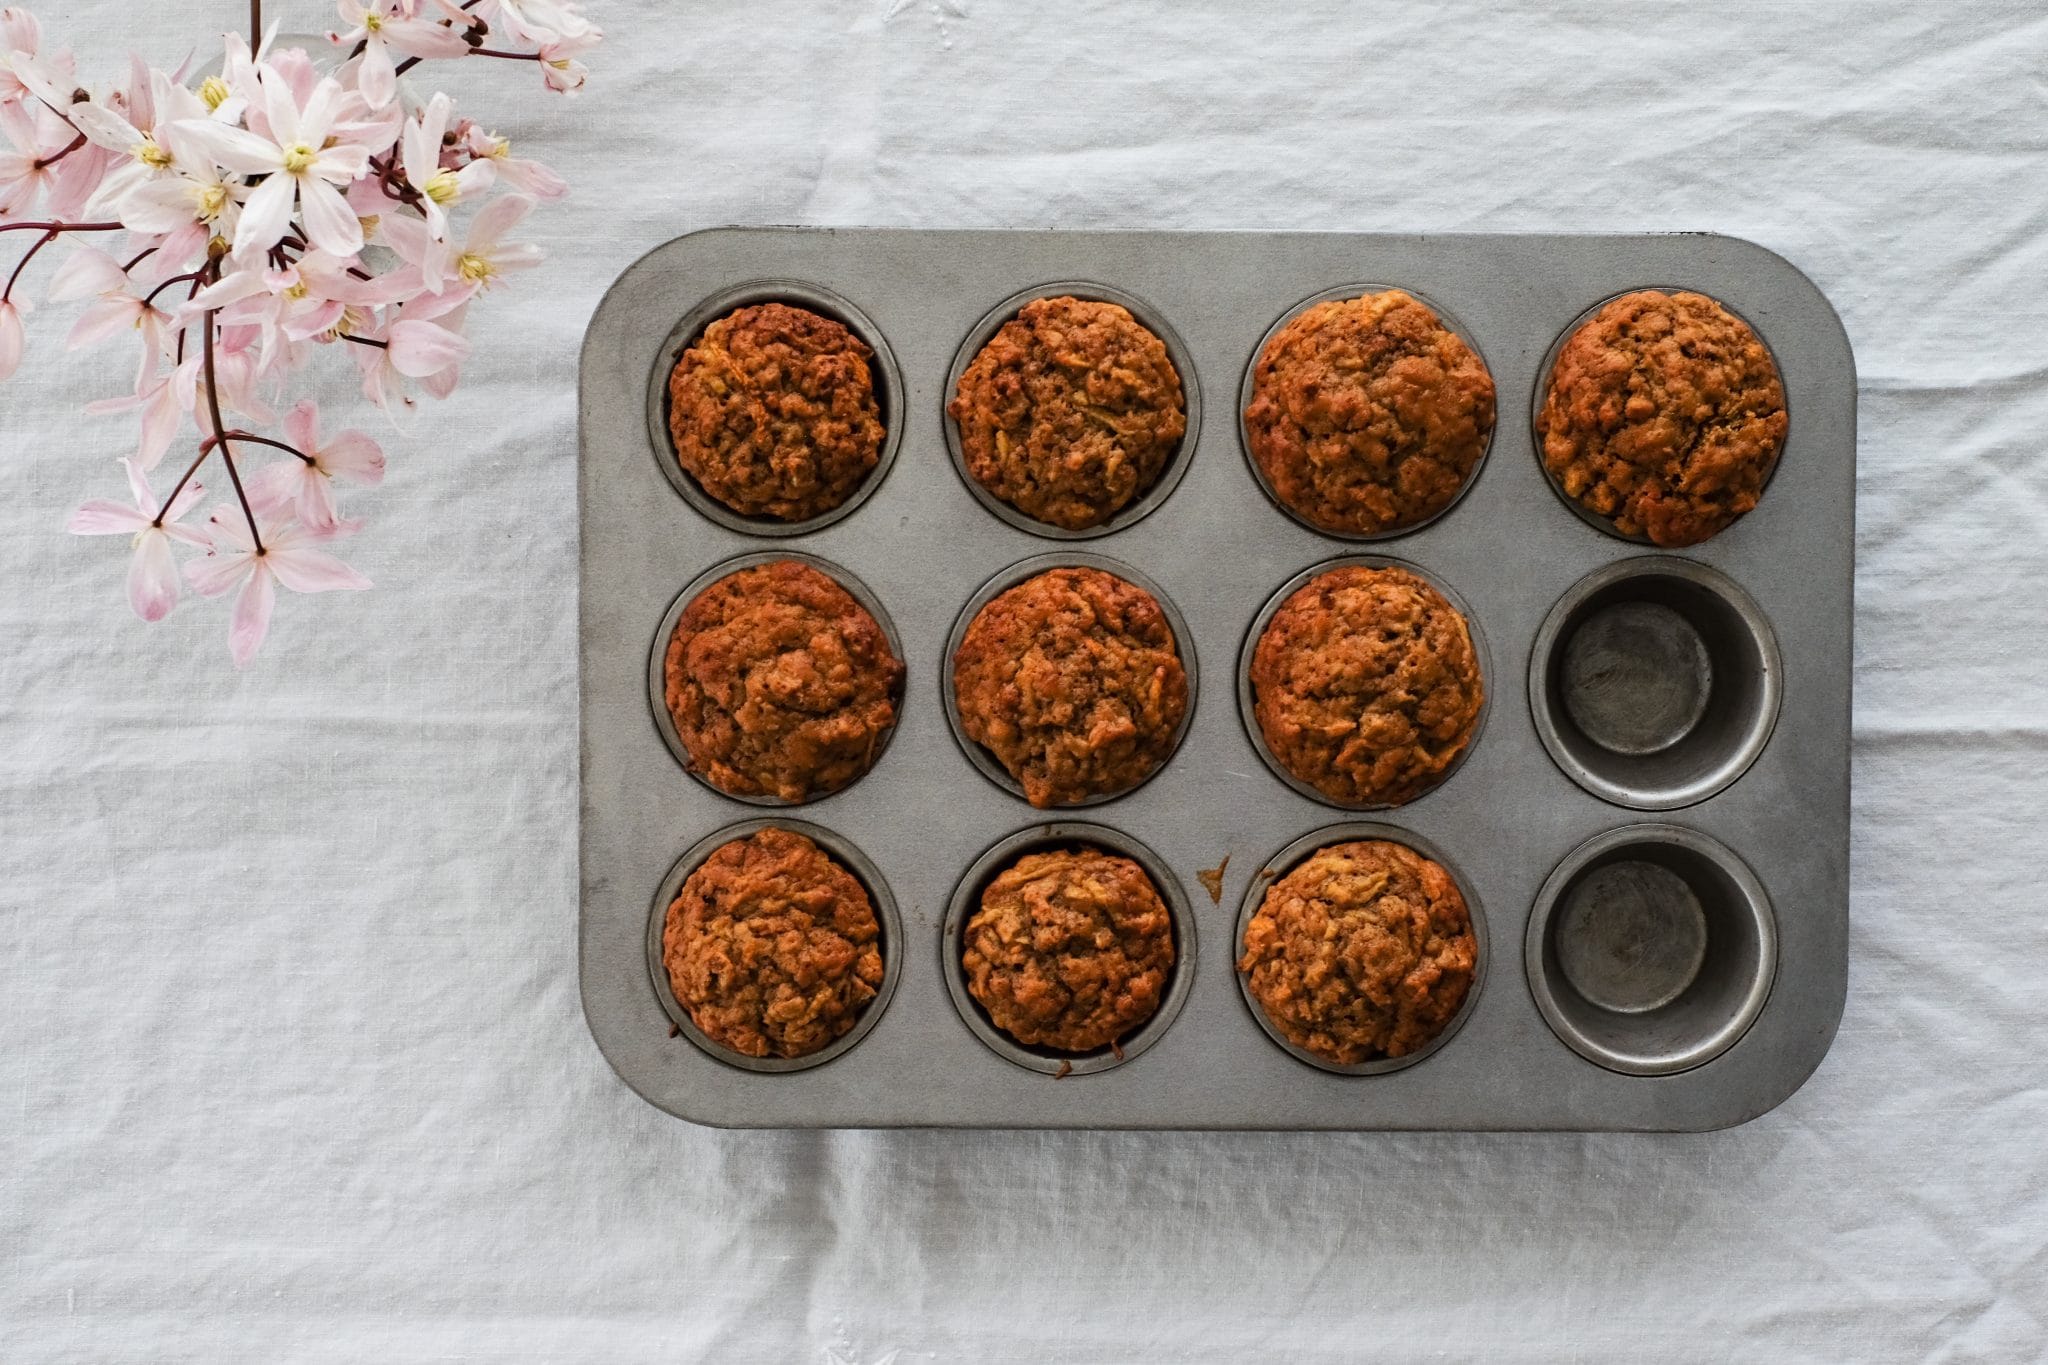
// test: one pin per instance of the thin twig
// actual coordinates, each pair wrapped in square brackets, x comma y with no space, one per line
[220,427]
[66,150]
[62,227]
[266,441]
[22,264]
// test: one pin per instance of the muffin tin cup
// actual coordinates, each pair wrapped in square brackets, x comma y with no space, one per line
[1247,387]
[1247,708]
[1177,464]
[1541,391]
[1652,949]
[1505,819]
[1667,708]
[967,898]
[985,762]
[1298,852]
[846,855]
[888,397]
[657,663]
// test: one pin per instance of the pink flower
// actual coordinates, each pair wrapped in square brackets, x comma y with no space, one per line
[120,306]
[22,70]
[306,486]
[527,177]
[288,556]
[382,25]
[558,65]
[301,159]
[437,185]
[163,399]
[152,573]
[472,265]
[539,21]
[11,337]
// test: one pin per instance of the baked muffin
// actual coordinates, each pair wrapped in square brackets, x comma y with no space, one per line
[1366,686]
[1368,415]
[1069,412]
[772,947]
[1072,681]
[1071,949]
[1664,414]
[1365,950]
[780,683]
[773,412]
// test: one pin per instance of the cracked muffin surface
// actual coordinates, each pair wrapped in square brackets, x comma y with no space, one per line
[1070,948]
[1070,412]
[1364,950]
[1368,415]
[1366,685]
[772,947]
[780,684]
[1665,414]
[773,412]
[1073,681]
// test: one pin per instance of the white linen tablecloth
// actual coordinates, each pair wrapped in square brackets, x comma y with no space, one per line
[293,1064]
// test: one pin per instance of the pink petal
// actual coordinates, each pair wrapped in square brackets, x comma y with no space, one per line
[419,349]
[497,218]
[103,518]
[104,127]
[302,426]
[422,38]
[152,577]
[11,340]
[315,505]
[375,76]
[89,271]
[330,223]
[108,317]
[352,455]
[251,621]
[304,569]
[161,418]
[213,574]
[265,217]
[233,149]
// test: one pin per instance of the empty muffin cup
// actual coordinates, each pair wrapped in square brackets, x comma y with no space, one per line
[1651,949]
[1655,682]
[888,381]
[967,899]
[841,851]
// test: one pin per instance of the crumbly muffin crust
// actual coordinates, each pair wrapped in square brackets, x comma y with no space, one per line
[772,947]
[1072,680]
[1070,949]
[1366,685]
[1665,414]
[773,412]
[1070,411]
[1368,414]
[1365,950]
[780,683]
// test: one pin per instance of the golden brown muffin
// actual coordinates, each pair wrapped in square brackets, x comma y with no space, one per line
[773,412]
[1069,412]
[1368,415]
[1366,686]
[772,947]
[1664,413]
[1365,950]
[1071,949]
[1072,681]
[780,683]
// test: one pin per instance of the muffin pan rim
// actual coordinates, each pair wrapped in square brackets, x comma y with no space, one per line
[1247,700]
[1148,317]
[1029,839]
[1247,387]
[657,664]
[890,397]
[1022,571]
[1298,851]
[1540,393]
[842,851]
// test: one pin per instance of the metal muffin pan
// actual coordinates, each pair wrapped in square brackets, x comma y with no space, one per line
[1707,1029]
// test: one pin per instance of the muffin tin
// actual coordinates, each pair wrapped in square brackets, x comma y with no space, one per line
[1651,828]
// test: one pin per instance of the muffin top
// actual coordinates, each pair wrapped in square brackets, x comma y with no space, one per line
[1069,412]
[1368,415]
[1364,950]
[773,412]
[1666,415]
[780,683]
[1366,686]
[1071,949]
[772,947]
[1072,681]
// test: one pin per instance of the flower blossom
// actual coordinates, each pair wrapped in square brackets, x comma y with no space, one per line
[152,573]
[288,556]
[305,486]
[381,26]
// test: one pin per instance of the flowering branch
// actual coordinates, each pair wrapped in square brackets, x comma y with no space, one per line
[299,205]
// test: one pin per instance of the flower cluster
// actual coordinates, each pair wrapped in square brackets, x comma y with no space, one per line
[234,224]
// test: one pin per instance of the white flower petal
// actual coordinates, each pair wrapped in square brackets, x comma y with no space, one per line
[251,621]
[330,223]
[152,576]
[265,217]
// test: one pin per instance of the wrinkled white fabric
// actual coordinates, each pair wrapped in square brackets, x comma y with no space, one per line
[292,1065]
